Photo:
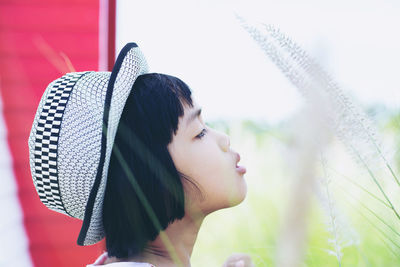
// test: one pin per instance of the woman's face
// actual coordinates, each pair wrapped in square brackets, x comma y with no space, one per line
[206,157]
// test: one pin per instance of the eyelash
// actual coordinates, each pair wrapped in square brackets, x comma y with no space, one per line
[199,136]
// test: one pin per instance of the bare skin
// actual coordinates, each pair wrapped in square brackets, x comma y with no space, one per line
[210,163]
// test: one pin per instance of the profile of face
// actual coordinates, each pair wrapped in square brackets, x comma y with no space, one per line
[204,154]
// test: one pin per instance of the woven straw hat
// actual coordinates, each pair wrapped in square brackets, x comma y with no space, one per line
[72,136]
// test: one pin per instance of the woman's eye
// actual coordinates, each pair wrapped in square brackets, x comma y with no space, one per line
[201,135]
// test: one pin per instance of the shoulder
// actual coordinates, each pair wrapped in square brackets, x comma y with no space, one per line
[103,257]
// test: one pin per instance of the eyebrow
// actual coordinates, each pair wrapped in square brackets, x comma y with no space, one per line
[192,116]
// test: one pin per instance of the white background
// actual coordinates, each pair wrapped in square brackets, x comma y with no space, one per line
[202,43]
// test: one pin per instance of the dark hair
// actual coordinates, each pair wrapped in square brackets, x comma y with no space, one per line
[144,191]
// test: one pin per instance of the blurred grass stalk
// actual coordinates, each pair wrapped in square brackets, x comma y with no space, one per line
[309,136]
[60,61]
[342,116]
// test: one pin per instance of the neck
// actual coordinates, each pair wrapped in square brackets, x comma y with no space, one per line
[173,247]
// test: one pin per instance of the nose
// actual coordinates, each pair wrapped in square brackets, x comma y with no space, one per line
[225,141]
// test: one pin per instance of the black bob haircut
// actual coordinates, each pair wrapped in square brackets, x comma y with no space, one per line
[148,122]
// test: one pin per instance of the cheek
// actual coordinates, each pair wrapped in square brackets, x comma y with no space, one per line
[204,160]
[201,161]
[211,168]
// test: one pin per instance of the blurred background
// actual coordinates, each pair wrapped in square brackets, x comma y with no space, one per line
[243,93]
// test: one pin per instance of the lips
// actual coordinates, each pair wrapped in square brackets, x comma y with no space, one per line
[241,169]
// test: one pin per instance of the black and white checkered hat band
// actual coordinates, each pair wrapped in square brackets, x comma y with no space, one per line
[46,141]
[65,140]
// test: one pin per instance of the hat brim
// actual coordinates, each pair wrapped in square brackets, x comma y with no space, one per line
[129,65]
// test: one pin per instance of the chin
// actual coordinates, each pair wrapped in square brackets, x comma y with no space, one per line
[239,195]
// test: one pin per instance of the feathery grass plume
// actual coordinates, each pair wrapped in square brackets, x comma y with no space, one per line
[309,136]
[343,235]
[350,123]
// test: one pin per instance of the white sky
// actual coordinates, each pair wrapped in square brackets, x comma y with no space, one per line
[202,43]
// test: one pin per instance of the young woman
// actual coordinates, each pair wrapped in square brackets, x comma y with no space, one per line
[167,169]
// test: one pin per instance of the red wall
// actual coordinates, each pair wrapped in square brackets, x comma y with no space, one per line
[32,35]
